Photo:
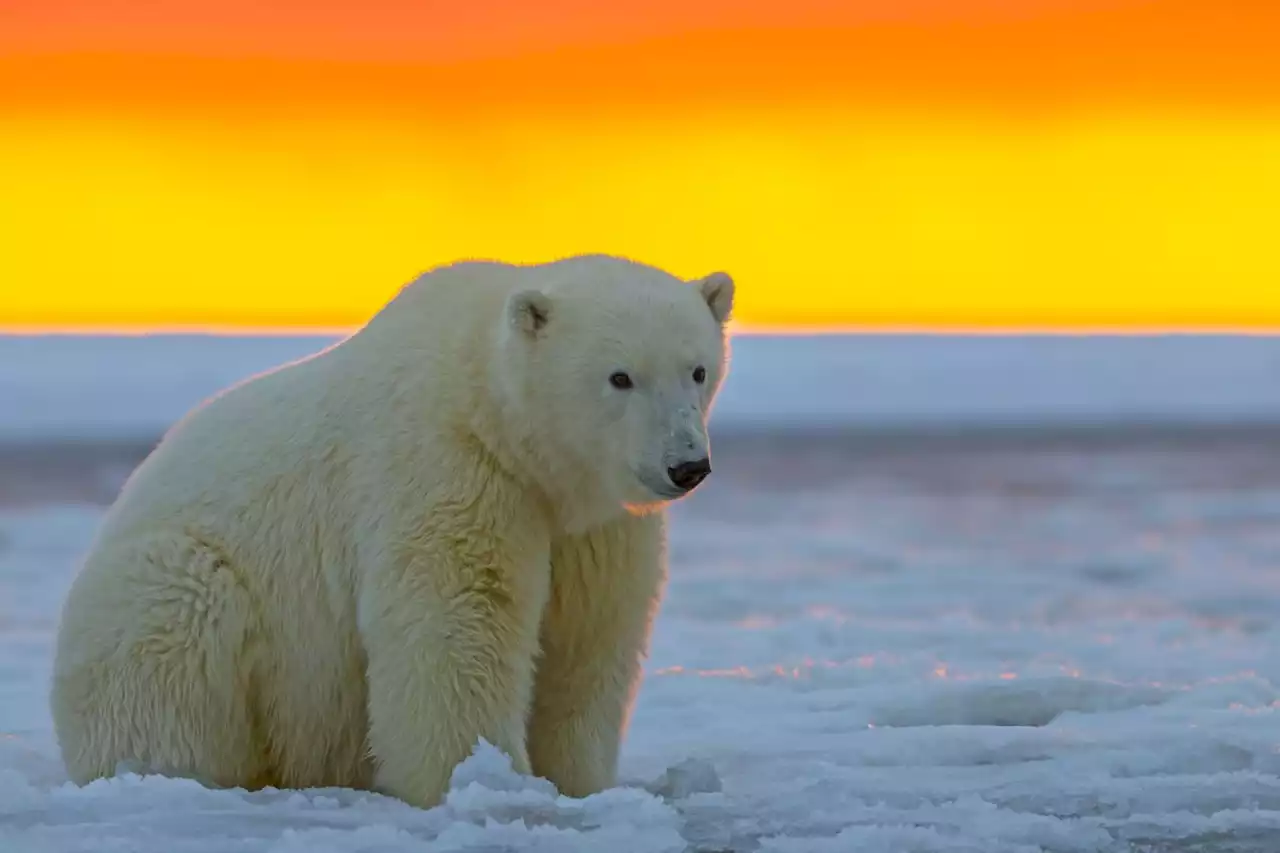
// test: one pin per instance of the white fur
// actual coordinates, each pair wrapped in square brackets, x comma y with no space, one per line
[347,570]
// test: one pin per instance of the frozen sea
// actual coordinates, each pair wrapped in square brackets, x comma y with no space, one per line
[942,595]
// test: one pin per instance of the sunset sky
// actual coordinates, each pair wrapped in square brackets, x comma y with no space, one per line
[946,164]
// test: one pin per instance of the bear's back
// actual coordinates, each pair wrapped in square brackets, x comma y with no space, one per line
[221,456]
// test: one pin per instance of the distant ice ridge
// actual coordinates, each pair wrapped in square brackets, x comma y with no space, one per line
[59,386]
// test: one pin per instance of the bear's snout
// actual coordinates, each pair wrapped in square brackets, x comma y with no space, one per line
[689,474]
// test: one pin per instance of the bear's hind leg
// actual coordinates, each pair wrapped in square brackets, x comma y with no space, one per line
[153,672]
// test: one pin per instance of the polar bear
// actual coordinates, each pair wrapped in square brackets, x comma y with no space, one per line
[449,526]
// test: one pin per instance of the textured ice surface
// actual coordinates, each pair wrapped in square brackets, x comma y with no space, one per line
[914,650]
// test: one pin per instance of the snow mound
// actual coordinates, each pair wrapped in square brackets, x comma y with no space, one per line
[488,808]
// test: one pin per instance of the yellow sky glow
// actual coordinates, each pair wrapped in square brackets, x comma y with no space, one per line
[826,218]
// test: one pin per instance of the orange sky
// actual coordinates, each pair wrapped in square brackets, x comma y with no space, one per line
[971,163]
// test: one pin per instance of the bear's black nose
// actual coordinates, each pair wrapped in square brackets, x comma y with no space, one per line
[686,475]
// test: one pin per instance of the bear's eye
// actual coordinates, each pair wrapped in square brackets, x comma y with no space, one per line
[620,380]
[699,374]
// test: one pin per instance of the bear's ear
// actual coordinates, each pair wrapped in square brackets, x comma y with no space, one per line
[717,290]
[529,311]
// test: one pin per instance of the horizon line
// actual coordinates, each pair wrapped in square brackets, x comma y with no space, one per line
[734,329]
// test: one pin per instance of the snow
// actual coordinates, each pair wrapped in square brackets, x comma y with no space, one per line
[873,380]
[1001,650]
[892,647]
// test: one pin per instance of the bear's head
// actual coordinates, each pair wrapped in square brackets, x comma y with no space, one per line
[614,366]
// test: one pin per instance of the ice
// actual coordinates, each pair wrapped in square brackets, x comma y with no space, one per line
[868,644]
[689,777]
[76,386]
[998,651]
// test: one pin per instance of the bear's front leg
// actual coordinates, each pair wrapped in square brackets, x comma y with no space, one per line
[450,626]
[605,589]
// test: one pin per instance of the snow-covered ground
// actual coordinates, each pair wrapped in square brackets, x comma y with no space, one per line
[891,648]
